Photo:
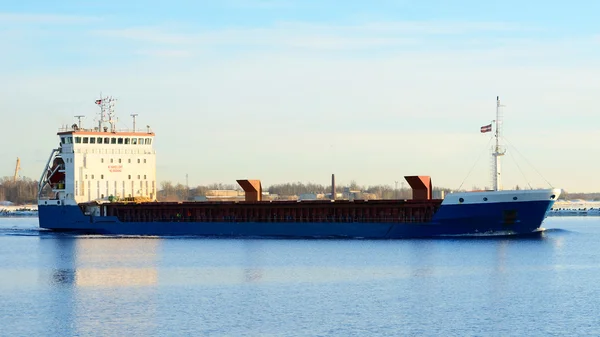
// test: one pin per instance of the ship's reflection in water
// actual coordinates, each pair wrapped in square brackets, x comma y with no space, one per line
[107,262]
[111,284]
[148,286]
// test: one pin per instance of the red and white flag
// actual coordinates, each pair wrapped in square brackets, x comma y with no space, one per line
[486,128]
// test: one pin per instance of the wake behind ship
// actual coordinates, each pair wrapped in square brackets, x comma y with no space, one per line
[103,181]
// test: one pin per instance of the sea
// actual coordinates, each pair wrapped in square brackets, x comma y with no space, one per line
[67,285]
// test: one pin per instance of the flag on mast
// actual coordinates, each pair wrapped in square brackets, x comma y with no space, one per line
[98,101]
[486,128]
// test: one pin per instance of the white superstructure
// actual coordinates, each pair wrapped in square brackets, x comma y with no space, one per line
[100,163]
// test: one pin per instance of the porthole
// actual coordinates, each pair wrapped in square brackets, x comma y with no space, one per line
[515,198]
[484,198]
[552,196]
[461,200]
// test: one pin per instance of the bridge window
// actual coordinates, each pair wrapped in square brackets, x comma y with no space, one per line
[77,140]
[69,140]
[92,140]
[120,140]
[141,141]
[99,140]
[113,140]
[85,140]
[106,140]
[126,140]
[134,141]
[63,140]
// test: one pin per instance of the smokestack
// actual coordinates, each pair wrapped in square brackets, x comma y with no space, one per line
[333,187]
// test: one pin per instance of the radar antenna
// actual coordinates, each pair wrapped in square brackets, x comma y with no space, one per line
[79,117]
[134,115]
[107,112]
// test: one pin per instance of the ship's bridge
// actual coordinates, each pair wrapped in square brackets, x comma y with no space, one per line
[109,138]
[101,163]
[97,165]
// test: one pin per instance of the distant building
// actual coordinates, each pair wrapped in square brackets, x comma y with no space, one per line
[311,196]
[221,195]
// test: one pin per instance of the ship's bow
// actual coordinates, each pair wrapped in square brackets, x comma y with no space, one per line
[510,212]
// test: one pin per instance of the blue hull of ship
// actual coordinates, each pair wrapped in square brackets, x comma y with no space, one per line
[467,219]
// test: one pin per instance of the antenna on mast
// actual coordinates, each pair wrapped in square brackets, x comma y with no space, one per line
[107,110]
[79,117]
[498,149]
[134,115]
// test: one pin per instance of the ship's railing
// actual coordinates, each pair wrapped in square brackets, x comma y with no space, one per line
[126,130]
[416,215]
[386,212]
[418,219]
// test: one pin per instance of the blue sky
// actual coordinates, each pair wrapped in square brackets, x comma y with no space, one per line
[296,90]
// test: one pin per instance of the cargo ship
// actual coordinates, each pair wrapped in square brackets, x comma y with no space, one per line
[103,181]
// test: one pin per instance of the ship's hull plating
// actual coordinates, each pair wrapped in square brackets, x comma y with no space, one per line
[467,219]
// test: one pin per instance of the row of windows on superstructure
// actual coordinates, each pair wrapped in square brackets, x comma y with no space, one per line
[107,140]
[70,160]
[102,176]
[119,160]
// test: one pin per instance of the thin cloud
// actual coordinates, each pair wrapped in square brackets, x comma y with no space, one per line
[266,4]
[146,34]
[313,36]
[413,27]
[56,19]
[166,53]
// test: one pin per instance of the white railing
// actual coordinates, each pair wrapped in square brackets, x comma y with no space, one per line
[77,129]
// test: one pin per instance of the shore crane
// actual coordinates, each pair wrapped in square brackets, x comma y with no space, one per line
[17,168]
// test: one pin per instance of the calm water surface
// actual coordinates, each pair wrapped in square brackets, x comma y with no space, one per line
[63,285]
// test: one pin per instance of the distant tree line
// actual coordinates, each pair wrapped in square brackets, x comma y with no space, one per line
[179,192]
[22,191]
[585,196]
[25,190]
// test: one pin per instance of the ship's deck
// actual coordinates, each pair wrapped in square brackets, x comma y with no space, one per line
[392,211]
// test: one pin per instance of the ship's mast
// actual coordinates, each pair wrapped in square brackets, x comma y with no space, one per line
[498,149]
[107,113]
